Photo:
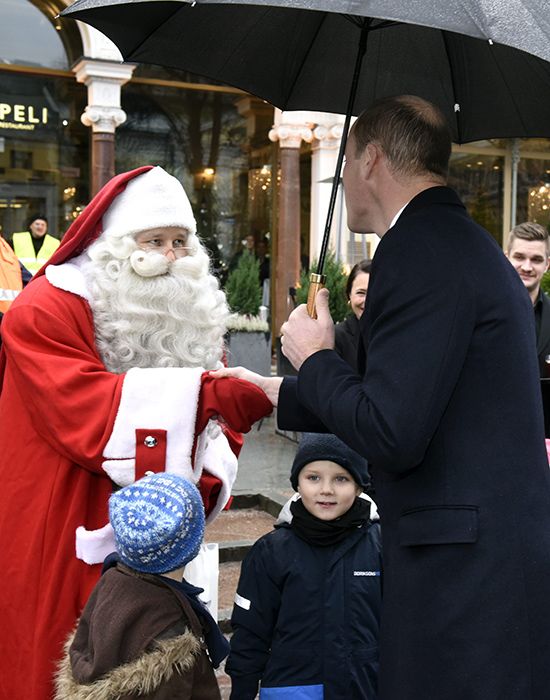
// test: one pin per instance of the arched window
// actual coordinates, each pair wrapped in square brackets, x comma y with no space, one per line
[28,38]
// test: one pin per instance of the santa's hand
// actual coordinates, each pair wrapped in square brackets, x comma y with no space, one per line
[303,336]
[269,385]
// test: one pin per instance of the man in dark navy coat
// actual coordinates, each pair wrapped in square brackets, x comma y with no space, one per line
[447,411]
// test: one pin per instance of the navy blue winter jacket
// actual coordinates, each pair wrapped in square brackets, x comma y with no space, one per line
[306,618]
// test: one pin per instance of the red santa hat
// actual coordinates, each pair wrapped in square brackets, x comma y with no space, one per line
[87,227]
[152,200]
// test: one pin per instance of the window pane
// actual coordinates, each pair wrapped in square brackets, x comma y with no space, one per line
[533,196]
[200,137]
[43,151]
[478,179]
[27,37]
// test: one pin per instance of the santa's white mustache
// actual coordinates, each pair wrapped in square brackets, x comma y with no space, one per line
[152,264]
[149,264]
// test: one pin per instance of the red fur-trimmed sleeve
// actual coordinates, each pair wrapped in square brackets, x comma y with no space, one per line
[239,404]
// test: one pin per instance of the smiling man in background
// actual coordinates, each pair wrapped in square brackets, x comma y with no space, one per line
[529,252]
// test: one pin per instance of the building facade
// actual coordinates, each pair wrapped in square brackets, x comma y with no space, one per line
[72,114]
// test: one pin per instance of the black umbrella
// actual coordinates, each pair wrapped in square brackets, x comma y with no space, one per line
[298,57]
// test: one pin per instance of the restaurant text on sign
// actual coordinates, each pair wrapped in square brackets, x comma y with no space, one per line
[22,116]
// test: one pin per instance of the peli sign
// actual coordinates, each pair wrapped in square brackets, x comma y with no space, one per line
[24,117]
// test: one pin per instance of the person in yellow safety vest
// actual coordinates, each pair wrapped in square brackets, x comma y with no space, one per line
[35,246]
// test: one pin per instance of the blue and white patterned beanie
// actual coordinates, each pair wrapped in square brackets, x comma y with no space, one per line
[158,523]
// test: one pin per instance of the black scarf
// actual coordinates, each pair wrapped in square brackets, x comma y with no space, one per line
[324,533]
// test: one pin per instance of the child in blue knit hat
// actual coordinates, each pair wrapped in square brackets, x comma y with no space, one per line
[144,630]
[306,616]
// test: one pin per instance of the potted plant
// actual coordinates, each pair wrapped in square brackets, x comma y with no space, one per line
[248,338]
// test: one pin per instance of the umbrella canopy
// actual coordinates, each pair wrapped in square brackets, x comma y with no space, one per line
[296,56]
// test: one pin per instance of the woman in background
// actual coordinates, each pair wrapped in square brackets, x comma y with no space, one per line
[347,332]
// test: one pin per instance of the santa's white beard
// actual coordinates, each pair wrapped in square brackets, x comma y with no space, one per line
[150,312]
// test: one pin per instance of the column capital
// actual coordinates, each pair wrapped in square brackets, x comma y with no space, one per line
[327,136]
[103,80]
[102,118]
[290,135]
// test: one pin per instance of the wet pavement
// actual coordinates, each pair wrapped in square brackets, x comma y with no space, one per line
[265,461]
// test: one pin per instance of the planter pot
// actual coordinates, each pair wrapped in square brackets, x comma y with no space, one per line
[250,349]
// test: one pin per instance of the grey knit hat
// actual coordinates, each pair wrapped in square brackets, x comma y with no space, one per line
[317,446]
[158,523]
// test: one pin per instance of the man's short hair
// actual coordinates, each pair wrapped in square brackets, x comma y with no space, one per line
[412,133]
[529,231]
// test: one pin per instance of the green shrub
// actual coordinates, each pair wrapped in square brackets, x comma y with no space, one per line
[545,282]
[244,294]
[335,283]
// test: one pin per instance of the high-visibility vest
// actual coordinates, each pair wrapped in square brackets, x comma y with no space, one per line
[24,249]
[10,276]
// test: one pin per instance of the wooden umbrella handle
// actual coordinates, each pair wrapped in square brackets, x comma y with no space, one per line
[316,282]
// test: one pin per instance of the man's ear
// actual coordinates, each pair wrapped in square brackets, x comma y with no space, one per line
[369,158]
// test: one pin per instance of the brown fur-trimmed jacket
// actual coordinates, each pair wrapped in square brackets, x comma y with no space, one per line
[137,638]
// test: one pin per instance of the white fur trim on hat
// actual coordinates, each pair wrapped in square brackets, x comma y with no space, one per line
[152,200]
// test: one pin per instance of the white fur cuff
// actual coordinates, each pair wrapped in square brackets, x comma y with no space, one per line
[155,399]
[92,546]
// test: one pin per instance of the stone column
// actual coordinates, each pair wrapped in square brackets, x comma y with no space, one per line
[103,113]
[324,154]
[289,130]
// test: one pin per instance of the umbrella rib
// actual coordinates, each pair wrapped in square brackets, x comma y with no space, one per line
[360,22]
[304,57]
[151,33]
[511,94]
[259,21]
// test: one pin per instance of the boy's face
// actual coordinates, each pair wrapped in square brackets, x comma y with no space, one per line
[327,489]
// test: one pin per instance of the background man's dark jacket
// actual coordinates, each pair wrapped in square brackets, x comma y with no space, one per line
[543,337]
[449,415]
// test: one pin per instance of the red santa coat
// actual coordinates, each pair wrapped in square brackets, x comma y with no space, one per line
[67,426]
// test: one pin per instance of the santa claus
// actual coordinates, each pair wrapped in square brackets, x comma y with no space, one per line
[105,377]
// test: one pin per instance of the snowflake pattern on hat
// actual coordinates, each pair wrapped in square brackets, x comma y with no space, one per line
[158,523]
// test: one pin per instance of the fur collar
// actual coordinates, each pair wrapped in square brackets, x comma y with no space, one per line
[142,676]
[68,276]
